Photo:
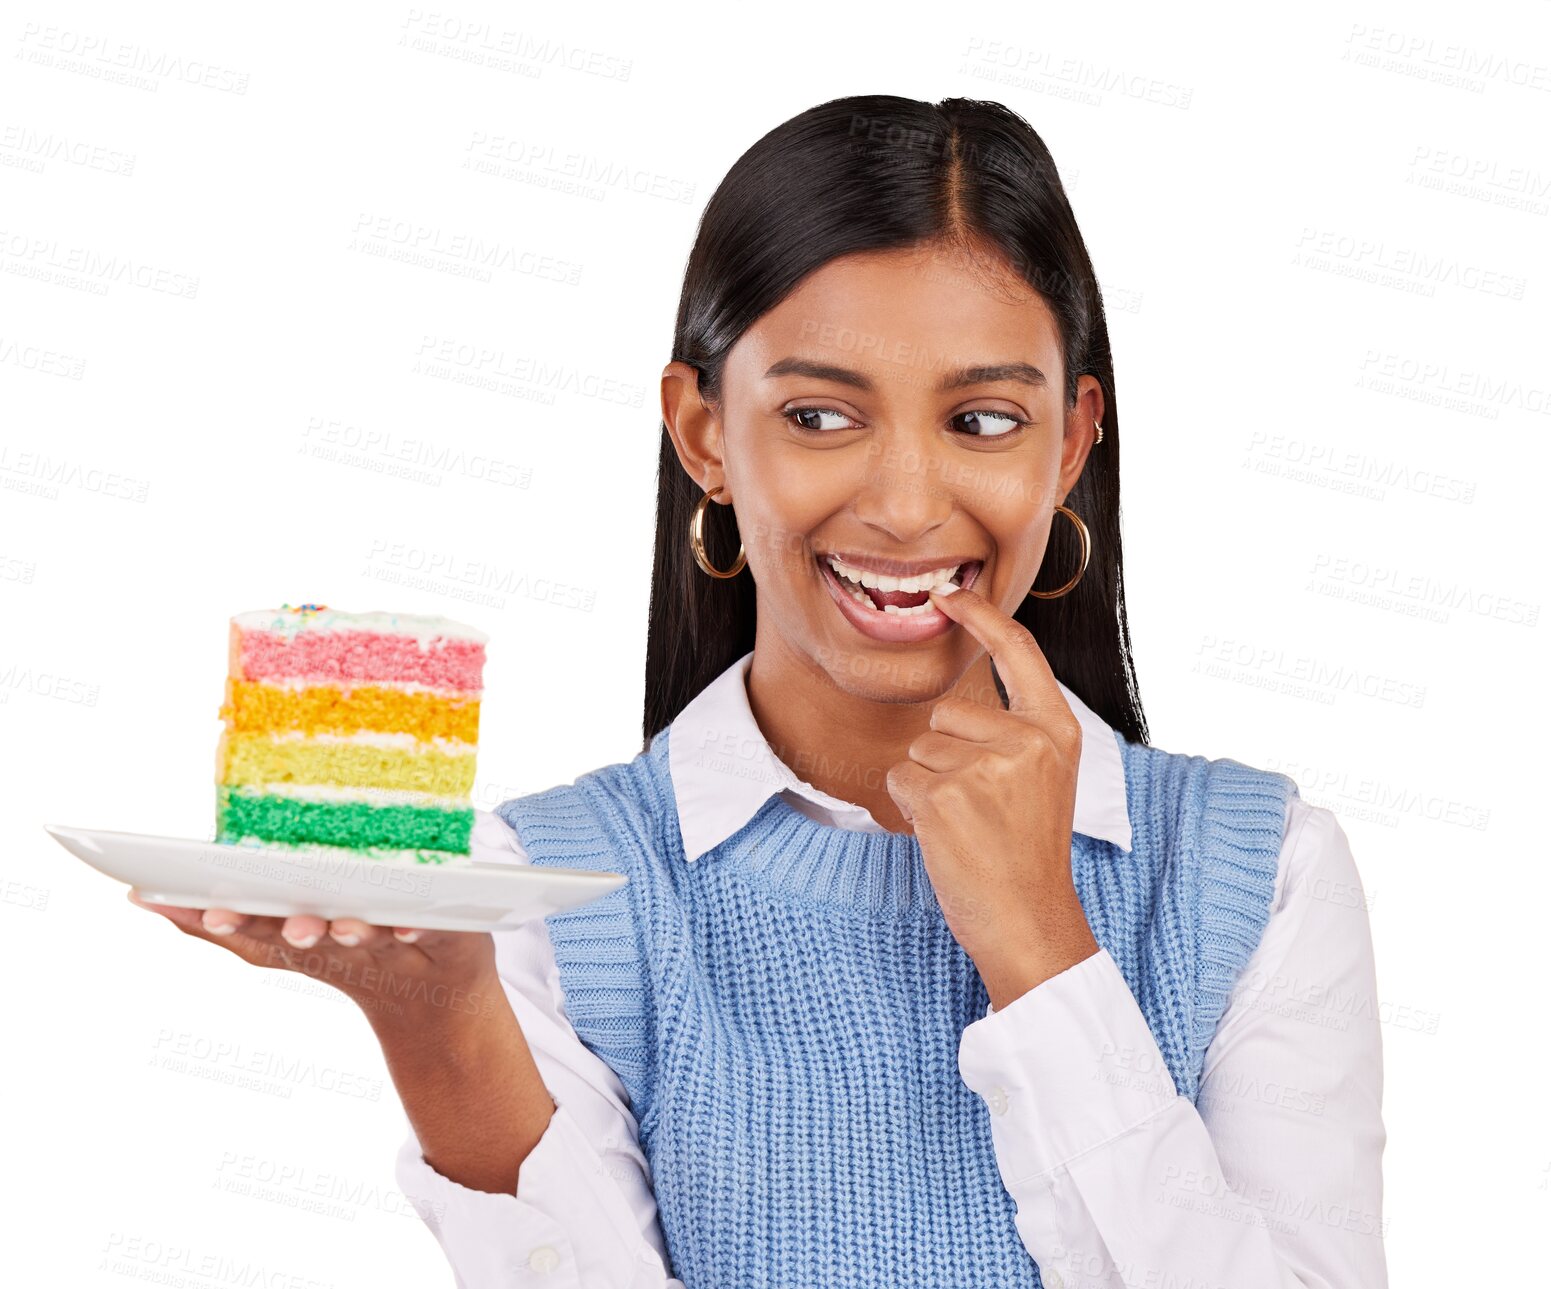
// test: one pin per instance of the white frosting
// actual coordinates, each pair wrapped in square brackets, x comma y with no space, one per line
[414,857]
[347,683]
[424,627]
[377,796]
[402,740]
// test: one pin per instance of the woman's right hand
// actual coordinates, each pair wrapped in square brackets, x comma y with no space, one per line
[390,972]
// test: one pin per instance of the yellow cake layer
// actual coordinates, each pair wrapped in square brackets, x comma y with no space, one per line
[254,706]
[245,758]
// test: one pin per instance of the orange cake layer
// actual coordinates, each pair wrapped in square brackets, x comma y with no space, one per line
[253,706]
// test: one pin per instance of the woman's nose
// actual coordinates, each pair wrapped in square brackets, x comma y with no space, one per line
[902,492]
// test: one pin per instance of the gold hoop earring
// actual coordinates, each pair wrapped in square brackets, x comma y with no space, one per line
[1099,437]
[697,540]
[1082,536]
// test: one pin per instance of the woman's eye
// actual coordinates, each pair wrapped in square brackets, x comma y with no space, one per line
[797,412]
[990,424]
[982,424]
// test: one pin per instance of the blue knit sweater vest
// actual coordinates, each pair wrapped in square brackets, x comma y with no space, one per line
[785,1013]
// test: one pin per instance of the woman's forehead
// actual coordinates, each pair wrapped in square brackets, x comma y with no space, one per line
[880,311]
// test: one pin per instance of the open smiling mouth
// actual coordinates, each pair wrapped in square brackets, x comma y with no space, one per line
[893,608]
[903,595]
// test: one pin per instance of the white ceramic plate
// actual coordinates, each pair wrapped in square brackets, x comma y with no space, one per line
[272,882]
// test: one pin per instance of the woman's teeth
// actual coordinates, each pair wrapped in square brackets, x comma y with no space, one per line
[883,582]
[853,580]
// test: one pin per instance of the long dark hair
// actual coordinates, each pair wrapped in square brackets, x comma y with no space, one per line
[870,172]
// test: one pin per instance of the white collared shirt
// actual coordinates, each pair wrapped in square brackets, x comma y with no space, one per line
[1271,1179]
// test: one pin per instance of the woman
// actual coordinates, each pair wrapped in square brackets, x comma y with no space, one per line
[929,969]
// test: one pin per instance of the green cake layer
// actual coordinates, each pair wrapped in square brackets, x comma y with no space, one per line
[356,824]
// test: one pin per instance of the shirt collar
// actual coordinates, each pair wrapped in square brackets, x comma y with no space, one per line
[723,771]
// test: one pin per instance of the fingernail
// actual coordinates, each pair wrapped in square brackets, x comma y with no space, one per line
[345,938]
[946,588]
[408,937]
[306,942]
[221,928]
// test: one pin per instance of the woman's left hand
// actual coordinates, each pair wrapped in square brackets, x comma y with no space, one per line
[991,795]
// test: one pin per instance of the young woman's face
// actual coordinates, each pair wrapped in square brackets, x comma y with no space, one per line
[901,414]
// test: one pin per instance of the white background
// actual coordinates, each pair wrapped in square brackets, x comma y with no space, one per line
[1323,248]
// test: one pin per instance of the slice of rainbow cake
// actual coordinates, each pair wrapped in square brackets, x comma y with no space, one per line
[350,731]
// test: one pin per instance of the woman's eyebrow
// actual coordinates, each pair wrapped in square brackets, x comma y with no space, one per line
[984,374]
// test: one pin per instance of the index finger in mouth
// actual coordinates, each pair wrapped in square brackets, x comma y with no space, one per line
[1021,663]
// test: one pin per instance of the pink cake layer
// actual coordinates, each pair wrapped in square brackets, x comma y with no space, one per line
[356,655]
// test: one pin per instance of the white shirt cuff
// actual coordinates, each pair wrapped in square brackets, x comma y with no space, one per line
[1064,1068]
[497,1241]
